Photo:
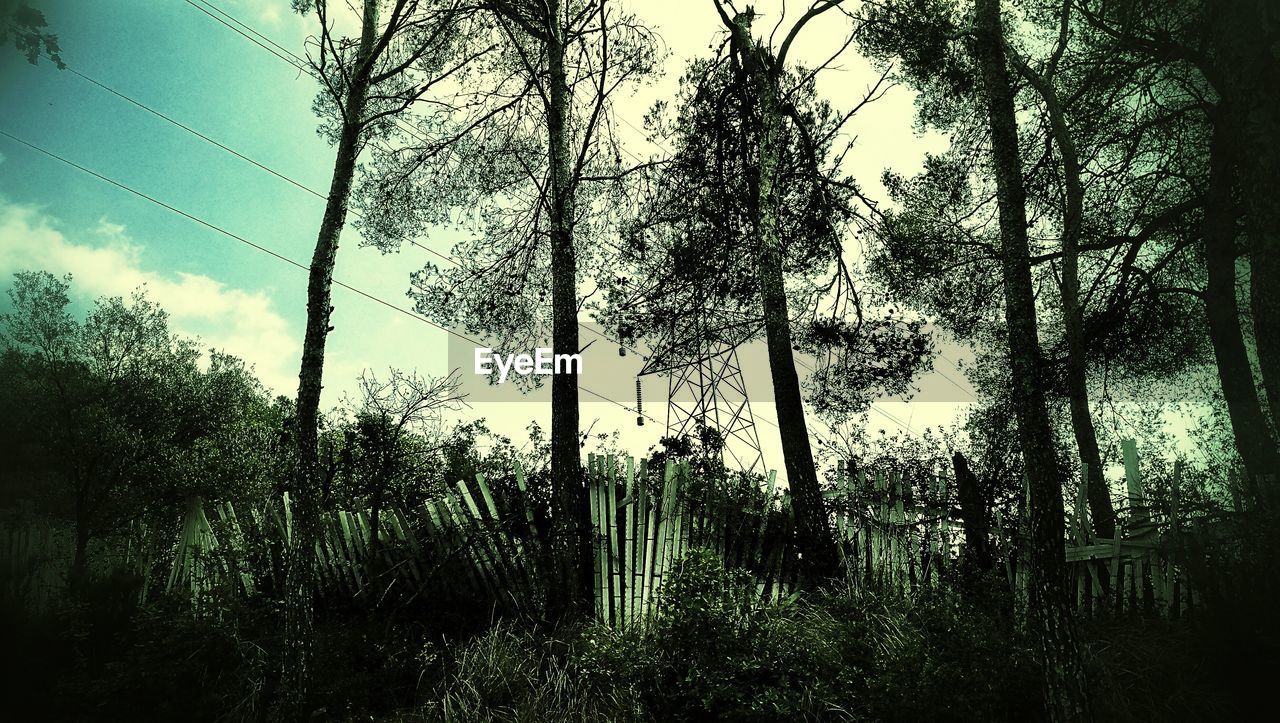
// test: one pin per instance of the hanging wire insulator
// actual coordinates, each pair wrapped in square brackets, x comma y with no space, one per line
[639,405]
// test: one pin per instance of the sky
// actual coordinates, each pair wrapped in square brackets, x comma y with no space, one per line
[171,56]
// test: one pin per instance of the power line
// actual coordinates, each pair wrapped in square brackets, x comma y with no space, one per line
[294,182]
[280,257]
[260,35]
[301,64]
[942,374]
[280,52]
[262,40]
[195,132]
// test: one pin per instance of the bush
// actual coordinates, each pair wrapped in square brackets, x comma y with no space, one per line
[713,652]
[942,657]
[100,659]
[513,675]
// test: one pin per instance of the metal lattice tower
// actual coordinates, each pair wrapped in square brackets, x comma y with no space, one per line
[706,389]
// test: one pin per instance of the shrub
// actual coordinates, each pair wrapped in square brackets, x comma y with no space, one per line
[713,651]
[509,674]
[165,665]
[940,656]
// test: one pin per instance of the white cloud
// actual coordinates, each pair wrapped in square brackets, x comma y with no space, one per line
[277,19]
[270,12]
[105,262]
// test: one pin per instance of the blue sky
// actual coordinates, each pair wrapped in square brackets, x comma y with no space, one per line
[169,55]
[179,61]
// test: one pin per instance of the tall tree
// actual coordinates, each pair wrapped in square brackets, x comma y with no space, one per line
[365,82]
[1106,187]
[1225,210]
[690,282]
[1212,48]
[1044,82]
[1250,35]
[1063,669]
[522,151]
[765,117]
[1254,441]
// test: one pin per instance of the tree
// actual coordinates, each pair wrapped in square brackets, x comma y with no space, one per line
[522,153]
[766,111]
[691,281]
[1215,49]
[1102,181]
[391,415]
[1073,194]
[366,82]
[1065,686]
[117,421]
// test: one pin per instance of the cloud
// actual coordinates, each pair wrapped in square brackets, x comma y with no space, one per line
[104,261]
[270,12]
[278,19]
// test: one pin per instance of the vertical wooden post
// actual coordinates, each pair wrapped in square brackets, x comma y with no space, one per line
[593,506]
[651,551]
[629,550]
[615,559]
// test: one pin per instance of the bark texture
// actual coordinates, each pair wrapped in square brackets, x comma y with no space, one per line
[1101,508]
[765,135]
[1264,285]
[1065,687]
[570,526]
[299,590]
[1248,424]
[1254,34]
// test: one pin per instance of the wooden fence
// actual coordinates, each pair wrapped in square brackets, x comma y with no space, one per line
[1139,565]
[641,533]
[890,534]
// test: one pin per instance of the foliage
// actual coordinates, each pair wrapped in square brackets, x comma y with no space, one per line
[688,280]
[476,158]
[114,418]
[713,652]
[106,658]
[28,29]
[509,674]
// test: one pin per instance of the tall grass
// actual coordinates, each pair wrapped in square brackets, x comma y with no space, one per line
[712,652]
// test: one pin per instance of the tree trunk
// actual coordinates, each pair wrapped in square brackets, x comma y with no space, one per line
[299,577]
[974,509]
[80,561]
[1253,440]
[1054,626]
[763,157]
[1100,507]
[570,548]
[1260,176]
[1264,293]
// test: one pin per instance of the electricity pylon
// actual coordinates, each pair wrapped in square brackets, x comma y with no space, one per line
[706,388]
